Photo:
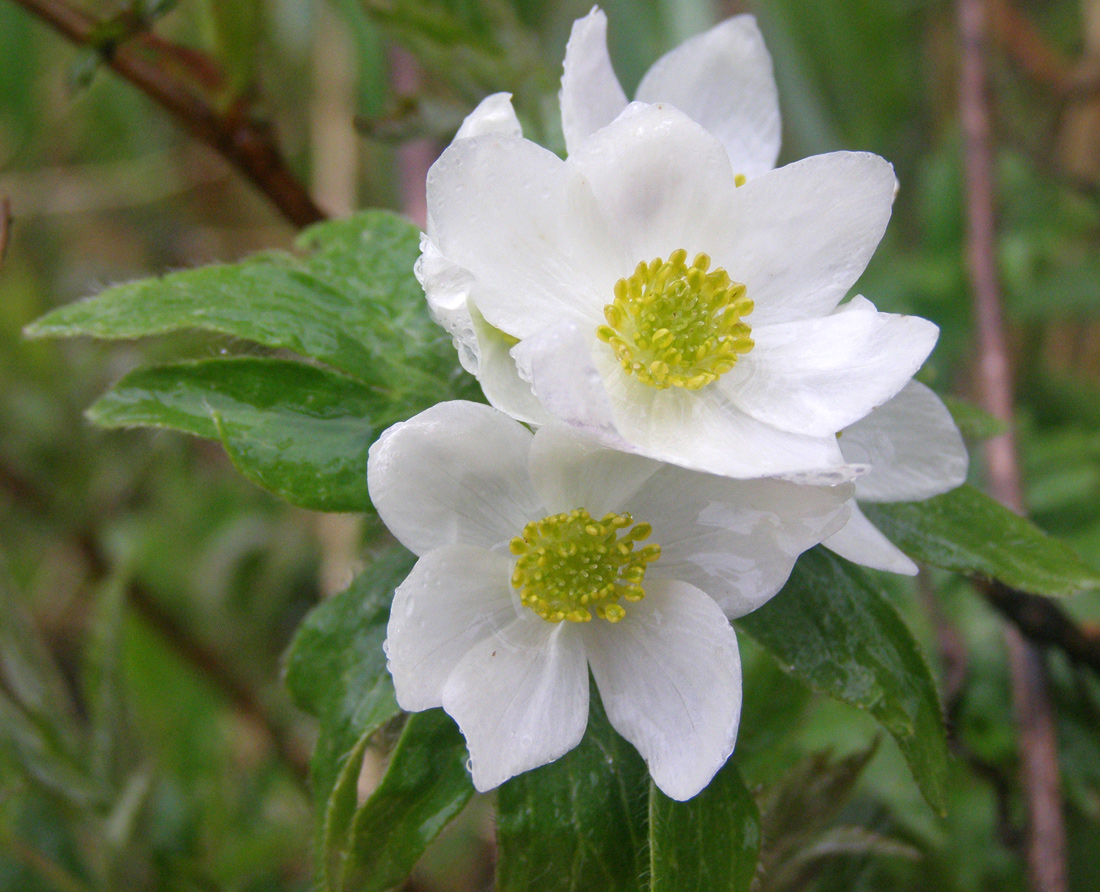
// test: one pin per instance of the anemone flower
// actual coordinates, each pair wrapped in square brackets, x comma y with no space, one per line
[543,555]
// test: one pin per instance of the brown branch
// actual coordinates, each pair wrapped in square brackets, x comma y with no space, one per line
[1046,624]
[248,144]
[1037,743]
[5,227]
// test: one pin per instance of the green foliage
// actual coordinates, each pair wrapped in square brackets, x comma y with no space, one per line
[969,532]
[353,304]
[799,822]
[336,671]
[973,423]
[299,431]
[707,844]
[425,786]
[578,824]
[123,762]
[832,628]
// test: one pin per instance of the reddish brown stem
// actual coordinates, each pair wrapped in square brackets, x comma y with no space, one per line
[1037,740]
[248,144]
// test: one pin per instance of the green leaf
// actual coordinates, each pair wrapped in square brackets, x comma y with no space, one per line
[973,422]
[234,31]
[338,814]
[336,671]
[353,304]
[834,630]
[102,683]
[577,824]
[297,430]
[798,820]
[707,844]
[270,299]
[967,531]
[425,786]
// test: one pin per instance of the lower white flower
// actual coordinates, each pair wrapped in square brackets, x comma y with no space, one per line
[543,555]
[914,451]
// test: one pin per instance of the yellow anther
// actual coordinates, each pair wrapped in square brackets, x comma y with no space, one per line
[674,325]
[570,566]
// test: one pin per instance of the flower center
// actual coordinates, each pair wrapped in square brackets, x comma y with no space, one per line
[570,565]
[674,325]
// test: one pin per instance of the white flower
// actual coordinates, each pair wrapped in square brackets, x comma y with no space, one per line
[747,367]
[494,630]
[721,79]
[914,451]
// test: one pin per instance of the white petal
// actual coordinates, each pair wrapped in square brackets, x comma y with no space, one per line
[736,540]
[525,226]
[455,473]
[669,674]
[703,430]
[591,97]
[912,445]
[447,287]
[661,179]
[558,364]
[798,237]
[861,542]
[520,698]
[817,376]
[494,114]
[723,79]
[499,377]
[571,469]
[579,381]
[454,597]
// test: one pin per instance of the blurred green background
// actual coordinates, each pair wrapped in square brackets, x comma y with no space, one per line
[147,590]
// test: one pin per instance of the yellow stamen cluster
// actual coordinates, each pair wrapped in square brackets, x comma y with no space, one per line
[570,566]
[674,325]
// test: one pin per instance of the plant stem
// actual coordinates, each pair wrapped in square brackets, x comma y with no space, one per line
[1037,741]
[249,145]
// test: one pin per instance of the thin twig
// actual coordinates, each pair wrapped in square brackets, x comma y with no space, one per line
[248,144]
[1038,745]
[1046,624]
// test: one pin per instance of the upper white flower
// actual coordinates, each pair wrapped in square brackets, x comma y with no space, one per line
[914,451]
[721,79]
[543,555]
[550,275]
